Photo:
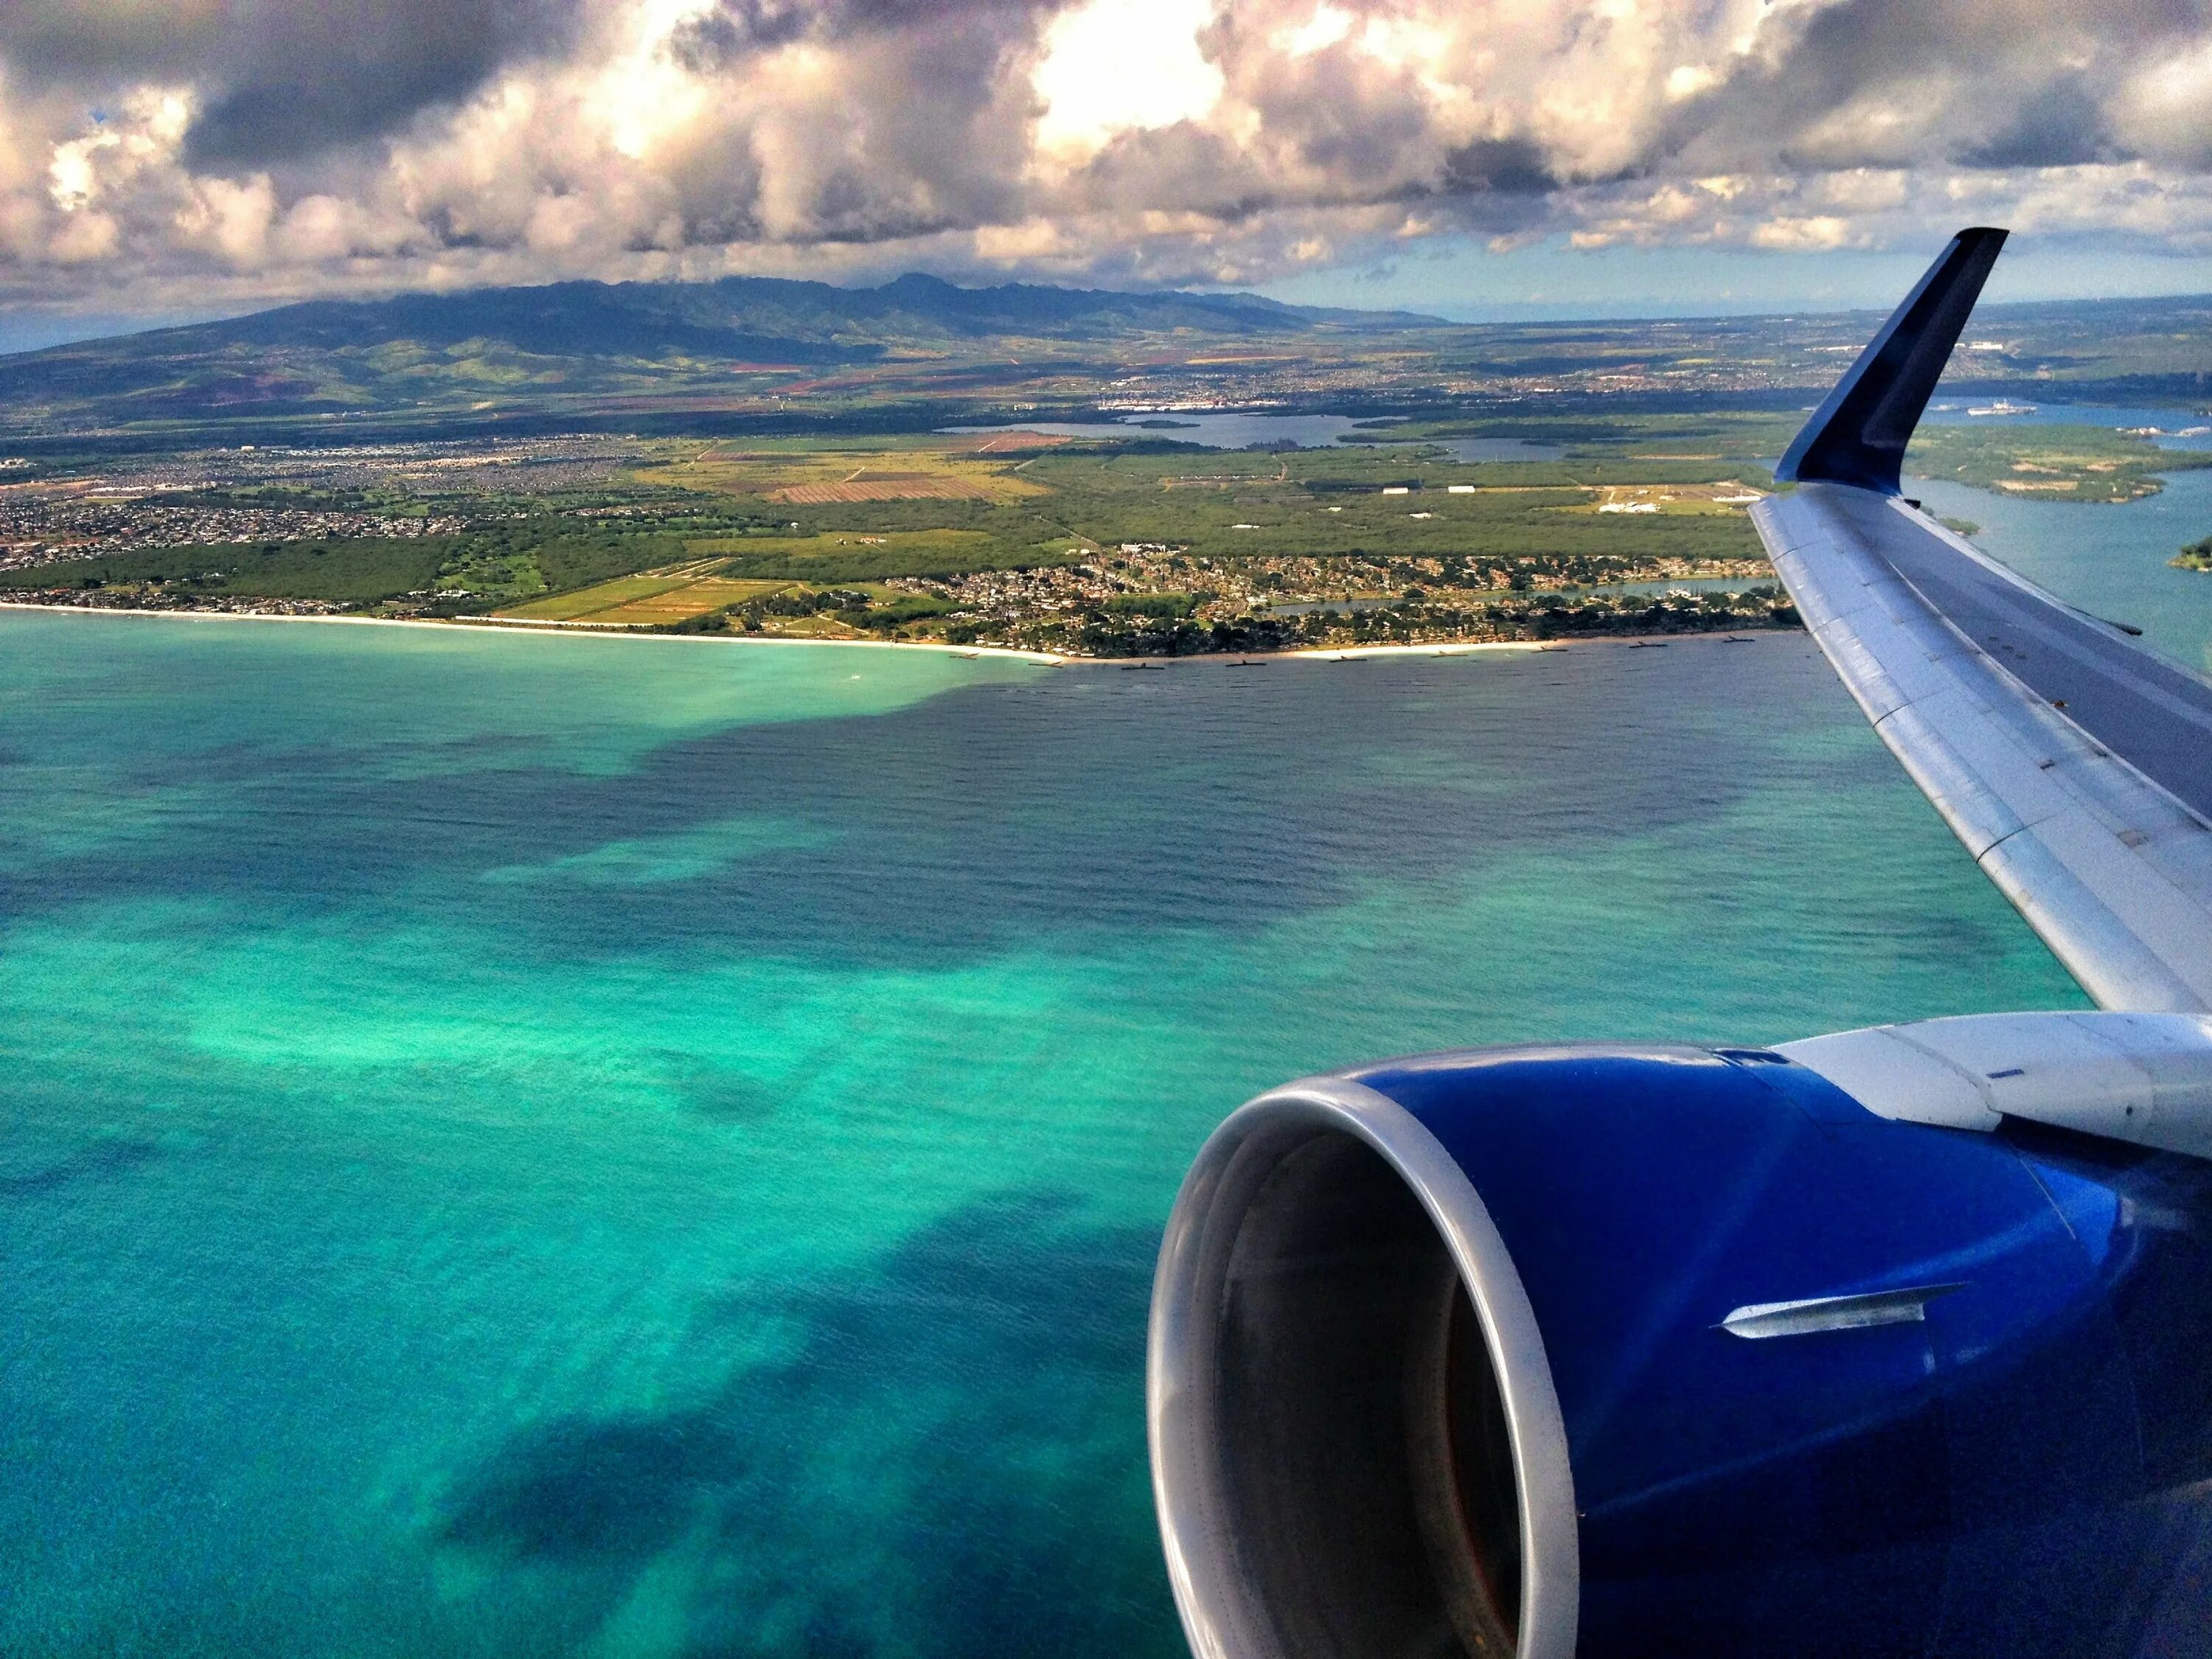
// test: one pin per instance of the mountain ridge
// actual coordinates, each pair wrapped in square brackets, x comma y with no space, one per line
[754,351]
[753,313]
[586,340]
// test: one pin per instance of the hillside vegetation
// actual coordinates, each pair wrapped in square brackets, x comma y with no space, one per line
[759,354]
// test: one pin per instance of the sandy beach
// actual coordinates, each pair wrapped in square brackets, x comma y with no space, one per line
[1043,658]
[556,630]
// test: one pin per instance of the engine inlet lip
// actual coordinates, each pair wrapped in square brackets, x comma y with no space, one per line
[1179,1357]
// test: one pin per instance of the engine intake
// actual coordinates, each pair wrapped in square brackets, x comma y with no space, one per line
[1351,1410]
[1618,1351]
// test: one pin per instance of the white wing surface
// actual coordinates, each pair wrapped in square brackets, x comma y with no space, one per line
[2074,765]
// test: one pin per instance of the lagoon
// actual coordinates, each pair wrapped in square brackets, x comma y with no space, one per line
[2113,560]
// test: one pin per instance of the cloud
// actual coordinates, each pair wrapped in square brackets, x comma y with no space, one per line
[275,80]
[1106,69]
[162,153]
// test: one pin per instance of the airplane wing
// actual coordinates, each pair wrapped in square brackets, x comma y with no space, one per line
[2074,765]
[1829,1348]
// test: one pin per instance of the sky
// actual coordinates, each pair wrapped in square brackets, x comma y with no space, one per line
[167,159]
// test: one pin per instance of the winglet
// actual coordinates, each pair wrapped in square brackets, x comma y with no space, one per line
[1858,435]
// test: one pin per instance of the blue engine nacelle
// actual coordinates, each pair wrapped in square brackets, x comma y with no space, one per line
[1643,1352]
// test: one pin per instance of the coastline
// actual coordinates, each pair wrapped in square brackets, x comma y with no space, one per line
[1041,658]
[1462,648]
[1323,654]
[554,630]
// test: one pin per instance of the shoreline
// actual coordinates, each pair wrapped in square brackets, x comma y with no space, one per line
[1462,648]
[1324,654]
[548,629]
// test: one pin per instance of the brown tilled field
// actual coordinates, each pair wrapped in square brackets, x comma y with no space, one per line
[894,486]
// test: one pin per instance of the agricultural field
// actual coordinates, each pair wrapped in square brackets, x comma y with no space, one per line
[851,556]
[650,599]
[1009,536]
[1085,546]
[813,476]
[1404,499]
[754,457]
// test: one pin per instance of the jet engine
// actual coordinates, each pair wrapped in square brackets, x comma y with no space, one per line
[1898,1342]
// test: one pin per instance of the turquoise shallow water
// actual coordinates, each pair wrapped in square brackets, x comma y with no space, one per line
[521,1146]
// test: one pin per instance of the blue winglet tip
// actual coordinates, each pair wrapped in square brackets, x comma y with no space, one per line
[1858,435]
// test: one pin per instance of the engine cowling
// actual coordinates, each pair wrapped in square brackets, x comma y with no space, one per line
[1653,1350]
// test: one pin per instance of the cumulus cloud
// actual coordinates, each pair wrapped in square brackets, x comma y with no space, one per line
[164,152]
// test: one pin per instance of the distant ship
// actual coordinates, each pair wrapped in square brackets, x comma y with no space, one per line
[2002,407]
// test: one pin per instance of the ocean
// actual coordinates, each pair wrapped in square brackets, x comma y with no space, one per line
[526,1146]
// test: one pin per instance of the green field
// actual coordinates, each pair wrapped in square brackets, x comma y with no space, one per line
[605,596]
[654,598]
[1103,545]
[821,462]
[1331,503]
[855,556]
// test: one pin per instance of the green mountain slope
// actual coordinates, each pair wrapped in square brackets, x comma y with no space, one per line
[598,339]
[751,353]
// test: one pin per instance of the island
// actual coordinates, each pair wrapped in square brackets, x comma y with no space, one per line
[1065,472]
